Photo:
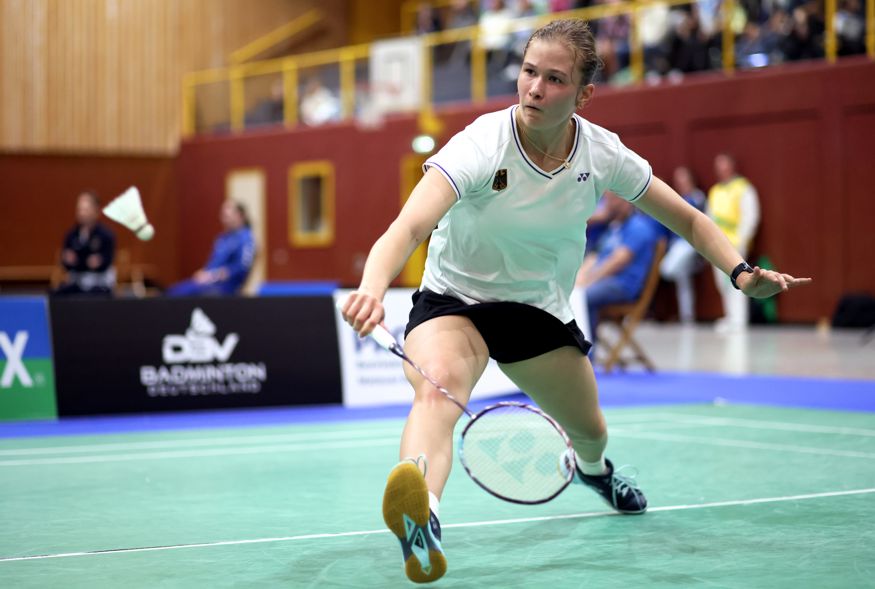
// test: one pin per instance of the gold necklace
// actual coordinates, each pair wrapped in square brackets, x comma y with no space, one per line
[564,160]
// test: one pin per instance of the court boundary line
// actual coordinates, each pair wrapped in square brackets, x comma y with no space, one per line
[501,522]
[747,444]
[766,424]
[195,450]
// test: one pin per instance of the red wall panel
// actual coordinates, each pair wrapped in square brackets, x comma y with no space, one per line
[38,198]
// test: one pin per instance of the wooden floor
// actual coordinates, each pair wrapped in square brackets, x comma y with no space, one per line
[769,350]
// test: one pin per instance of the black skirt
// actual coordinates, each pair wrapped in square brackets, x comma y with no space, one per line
[512,331]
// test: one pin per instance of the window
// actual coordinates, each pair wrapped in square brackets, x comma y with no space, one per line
[311,204]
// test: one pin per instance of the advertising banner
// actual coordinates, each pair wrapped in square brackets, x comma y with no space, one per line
[372,376]
[27,381]
[144,355]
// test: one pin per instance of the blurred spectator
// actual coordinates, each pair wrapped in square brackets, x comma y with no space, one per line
[734,205]
[612,41]
[597,225]
[775,30]
[88,252]
[681,262]
[495,33]
[318,104]
[270,110]
[850,26]
[230,262]
[750,48]
[617,273]
[653,32]
[707,12]
[427,19]
[687,43]
[520,36]
[461,14]
[805,40]
[561,5]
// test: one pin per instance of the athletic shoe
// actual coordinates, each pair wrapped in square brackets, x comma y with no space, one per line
[406,513]
[620,491]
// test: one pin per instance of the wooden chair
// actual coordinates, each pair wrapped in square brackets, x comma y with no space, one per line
[129,276]
[627,316]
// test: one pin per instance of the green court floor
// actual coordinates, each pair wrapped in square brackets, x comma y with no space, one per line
[740,497]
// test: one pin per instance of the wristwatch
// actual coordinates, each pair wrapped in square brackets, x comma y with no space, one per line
[743,267]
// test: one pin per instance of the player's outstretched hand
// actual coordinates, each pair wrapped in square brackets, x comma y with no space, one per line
[765,283]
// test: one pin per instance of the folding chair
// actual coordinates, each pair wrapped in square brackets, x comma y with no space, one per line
[627,316]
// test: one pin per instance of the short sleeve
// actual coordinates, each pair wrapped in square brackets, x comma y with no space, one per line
[462,163]
[632,174]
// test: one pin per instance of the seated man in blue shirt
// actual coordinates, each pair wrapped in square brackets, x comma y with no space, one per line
[231,260]
[616,274]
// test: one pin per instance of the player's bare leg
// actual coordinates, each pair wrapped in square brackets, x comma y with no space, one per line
[452,352]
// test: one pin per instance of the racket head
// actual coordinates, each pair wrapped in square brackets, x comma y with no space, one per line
[517,453]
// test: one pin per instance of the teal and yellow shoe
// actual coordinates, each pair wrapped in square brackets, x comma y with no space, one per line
[407,514]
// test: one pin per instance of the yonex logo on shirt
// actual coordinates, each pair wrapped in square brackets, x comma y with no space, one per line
[582,176]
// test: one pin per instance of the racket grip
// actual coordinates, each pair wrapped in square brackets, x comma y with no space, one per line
[380,334]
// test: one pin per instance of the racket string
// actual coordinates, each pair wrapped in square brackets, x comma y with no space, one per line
[516,453]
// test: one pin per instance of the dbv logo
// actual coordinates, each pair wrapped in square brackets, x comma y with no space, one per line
[199,343]
[14,352]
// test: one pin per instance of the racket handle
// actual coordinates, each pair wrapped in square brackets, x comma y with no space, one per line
[380,334]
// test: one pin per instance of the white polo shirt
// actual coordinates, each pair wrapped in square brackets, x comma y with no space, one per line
[517,232]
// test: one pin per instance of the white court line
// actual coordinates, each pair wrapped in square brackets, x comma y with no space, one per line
[257,439]
[203,452]
[740,444]
[364,438]
[367,441]
[766,425]
[500,522]
[194,442]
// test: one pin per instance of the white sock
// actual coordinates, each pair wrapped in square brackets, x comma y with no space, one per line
[434,504]
[592,468]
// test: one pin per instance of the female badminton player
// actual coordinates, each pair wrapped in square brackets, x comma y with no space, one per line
[510,196]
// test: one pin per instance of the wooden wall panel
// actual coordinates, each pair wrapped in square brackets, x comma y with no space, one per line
[106,75]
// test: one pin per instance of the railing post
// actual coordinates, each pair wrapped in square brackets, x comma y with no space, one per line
[478,69]
[830,42]
[290,93]
[347,84]
[728,37]
[237,99]
[189,106]
[870,28]
[636,62]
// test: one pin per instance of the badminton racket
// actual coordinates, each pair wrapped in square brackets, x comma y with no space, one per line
[512,450]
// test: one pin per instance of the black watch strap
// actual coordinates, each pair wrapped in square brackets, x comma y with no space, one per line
[743,267]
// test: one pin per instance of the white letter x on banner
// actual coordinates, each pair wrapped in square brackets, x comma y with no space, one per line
[14,352]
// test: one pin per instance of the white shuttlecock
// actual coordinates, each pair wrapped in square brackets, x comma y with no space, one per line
[127,209]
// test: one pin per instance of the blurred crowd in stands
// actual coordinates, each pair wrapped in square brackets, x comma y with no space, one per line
[677,39]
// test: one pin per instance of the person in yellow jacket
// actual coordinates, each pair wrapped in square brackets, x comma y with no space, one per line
[734,206]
